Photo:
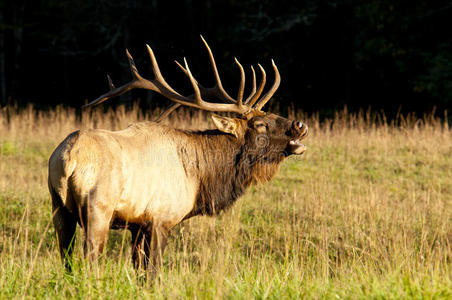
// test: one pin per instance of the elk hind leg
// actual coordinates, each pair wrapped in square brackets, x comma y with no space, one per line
[96,237]
[65,225]
[97,228]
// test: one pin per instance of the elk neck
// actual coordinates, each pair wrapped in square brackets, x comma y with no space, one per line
[224,166]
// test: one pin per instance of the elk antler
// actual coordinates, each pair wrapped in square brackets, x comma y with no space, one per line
[272,90]
[158,84]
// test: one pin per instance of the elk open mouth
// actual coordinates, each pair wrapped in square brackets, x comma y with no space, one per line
[296,147]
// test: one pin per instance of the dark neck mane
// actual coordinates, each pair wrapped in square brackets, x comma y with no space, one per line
[224,168]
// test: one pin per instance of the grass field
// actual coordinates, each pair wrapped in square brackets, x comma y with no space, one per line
[366,212]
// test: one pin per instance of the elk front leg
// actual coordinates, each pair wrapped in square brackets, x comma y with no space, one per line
[148,244]
[141,242]
[158,244]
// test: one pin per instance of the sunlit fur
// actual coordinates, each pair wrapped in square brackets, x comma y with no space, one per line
[149,177]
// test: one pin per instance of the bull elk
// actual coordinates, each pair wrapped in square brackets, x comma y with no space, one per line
[150,177]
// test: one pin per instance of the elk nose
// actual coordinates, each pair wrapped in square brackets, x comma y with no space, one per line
[298,125]
[301,128]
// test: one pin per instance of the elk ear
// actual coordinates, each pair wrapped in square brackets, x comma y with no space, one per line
[227,125]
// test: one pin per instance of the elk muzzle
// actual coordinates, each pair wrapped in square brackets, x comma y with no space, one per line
[300,132]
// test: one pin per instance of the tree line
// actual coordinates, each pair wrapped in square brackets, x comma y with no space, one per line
[360,53]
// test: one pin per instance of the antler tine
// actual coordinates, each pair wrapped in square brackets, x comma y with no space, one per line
[168,111]
[218,85]
[198,98]
[206,92]
[133,67]
[113,93]
[273,89]
[261,87]
[253,90]
[110,83]
[155,67]
[242,83]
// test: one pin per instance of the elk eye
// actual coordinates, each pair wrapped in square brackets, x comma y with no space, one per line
[260,126]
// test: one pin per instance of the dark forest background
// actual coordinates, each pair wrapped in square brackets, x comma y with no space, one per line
[387,55]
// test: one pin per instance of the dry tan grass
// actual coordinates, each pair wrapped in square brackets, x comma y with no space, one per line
[366,212]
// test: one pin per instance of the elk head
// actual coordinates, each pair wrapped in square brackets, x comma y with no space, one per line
[265,133]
